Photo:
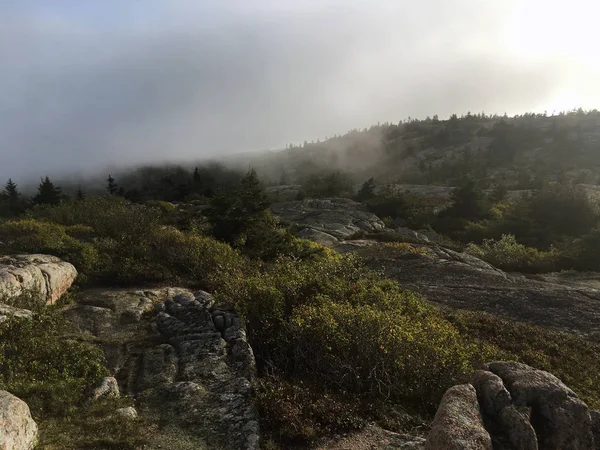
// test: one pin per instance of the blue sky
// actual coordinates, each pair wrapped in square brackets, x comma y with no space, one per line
[86,83]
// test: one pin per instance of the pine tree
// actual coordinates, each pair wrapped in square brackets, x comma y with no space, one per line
[11,193]
[111,186]
[234,214]
[196,176]
[367,191]
[79,195]
[48,194]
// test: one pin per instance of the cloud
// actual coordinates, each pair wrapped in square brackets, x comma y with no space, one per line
[84,86]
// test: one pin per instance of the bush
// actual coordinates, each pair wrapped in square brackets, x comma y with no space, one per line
[45,369]
[108,216]
[32,236]
[507,254]
[331,320]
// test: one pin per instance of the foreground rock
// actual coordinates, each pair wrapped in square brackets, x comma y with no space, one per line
[513,407]
[46,276]
[189,367]
[458,425]
[340,218]
[462,281]
[18,431]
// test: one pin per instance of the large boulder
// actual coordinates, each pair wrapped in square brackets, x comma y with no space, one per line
[341,218]
[18,431]
[45,275]
[522,408]
[188,365]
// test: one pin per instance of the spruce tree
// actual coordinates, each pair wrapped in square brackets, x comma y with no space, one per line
[79,195]
[48,193]
[11,193]
[111,186]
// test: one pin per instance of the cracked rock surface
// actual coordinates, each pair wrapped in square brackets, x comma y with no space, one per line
[189,367]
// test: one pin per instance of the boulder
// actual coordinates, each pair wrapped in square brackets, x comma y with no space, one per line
[128,413]
[107,387]
[45,275]
[319,237]
[18,431]
[458,425]
[523,409]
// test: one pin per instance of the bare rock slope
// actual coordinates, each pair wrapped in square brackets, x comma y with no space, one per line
[462,281]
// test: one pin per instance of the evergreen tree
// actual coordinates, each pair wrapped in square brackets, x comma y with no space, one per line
[79,195]
[11,193]
[111,186]
[48,193]
[196,176]
[235,214]
[367,191]
[469,203]
[11,202]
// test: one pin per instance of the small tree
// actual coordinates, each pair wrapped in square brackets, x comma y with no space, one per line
[111,186]
[233,214]
[367,191]
[80,195]
[11,202]
[48,193]
[468,202]
[10,192]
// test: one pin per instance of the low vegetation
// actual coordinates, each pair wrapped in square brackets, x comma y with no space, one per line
[324,328]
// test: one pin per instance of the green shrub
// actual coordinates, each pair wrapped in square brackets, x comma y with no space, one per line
[32,236]
[507,254]
[41,366]
[331,320]
[108,216]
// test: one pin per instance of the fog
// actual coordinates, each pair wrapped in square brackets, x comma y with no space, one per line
[87,84]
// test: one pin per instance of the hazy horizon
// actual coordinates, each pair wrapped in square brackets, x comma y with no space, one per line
[88,85]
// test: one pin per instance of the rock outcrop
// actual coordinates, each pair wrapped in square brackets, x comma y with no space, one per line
[512,406]
[18,431]
[463,281]
[188,366]
[341,218]
[458,424]
[47,275]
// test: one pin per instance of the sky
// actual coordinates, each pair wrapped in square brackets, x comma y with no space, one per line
[86,84]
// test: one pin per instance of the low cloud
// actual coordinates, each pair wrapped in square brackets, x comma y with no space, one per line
[160,81]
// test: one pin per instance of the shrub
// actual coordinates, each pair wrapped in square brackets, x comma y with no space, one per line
[508,254]
[331,320]
[108,216]
[41,366]
[32,236]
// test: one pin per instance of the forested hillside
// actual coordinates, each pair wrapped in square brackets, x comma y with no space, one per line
[520,152]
